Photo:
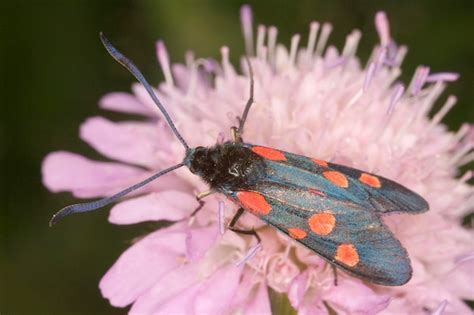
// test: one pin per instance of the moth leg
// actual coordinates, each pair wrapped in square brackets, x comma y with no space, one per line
[236,217]
[199,198]
[195,211]
[233,222]
[334,270]
[236,133]
[249,101]
[204,194]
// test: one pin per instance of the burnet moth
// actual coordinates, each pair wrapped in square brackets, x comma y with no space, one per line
[332,209]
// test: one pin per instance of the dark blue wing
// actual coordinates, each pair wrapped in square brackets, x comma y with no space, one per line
[390,196]
[380,256]
[333,210]
[370,191]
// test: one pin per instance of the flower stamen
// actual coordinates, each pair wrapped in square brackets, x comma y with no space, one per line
[352,41]
[440,309]
[383,28]
[400,56]
[430,99]
[369,74]
[397,95]
[294,49]
[164,60]
[467,176]
[464,258]
[323,38]
[272,37]
[250,254]
[246,22]
[313,34]
[460,157]
[464,130]
[419,79]
[468,158]
[392,51]
[220,217]
[227,67]
[450,102]
[261,41]
[355,98]
[381,57]
[443,76]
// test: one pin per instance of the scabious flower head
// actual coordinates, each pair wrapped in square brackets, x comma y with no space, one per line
[311,99]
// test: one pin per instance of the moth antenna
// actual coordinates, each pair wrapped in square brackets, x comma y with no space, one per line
[94,205]
[130,66]
[250,100]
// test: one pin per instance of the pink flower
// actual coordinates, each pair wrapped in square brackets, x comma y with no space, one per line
[338,110]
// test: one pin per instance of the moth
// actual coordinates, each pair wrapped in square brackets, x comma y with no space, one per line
[332,209]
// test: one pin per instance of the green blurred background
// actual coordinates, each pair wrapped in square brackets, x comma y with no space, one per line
[54,69]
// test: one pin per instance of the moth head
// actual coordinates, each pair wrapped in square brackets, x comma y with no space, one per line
[198,161]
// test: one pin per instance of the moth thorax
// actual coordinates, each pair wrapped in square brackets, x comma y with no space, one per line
[222,165]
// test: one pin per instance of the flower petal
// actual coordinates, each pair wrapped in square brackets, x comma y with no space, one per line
[428,296]
[130,142]
[260,303]
[198,242]
[316,307]
[142,265]
[66,171]
[169,205]
[221,287]
[363,299]
[297,289]
[125,103]
[211,296]
[252,296]
[460,280]
[144,98]
[181,76]
[168,287]
[284,270]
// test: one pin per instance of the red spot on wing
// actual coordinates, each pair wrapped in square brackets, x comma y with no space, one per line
[297,233]
[370,180]
[322,223]
[270,154]
[320,162]
[336,178]
[254,202]
[347,254]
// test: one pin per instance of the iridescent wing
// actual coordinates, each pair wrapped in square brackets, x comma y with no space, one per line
[333,210]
